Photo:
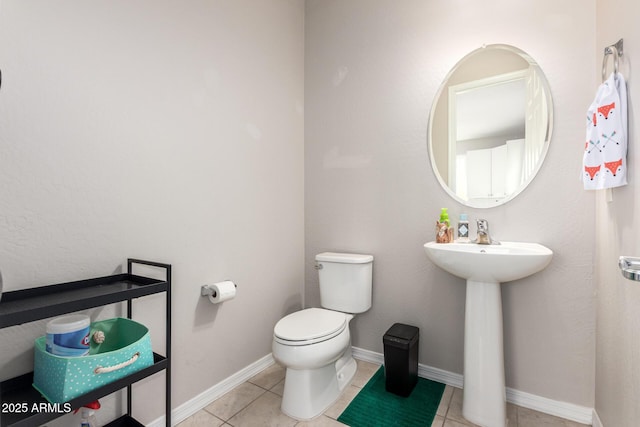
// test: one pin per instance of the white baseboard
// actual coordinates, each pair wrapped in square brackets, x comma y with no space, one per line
[367,356]
[192,406]
[424,371]
[565,410]
[596,420]
[569,411]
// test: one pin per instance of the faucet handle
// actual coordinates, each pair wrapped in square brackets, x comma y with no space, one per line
[483,224]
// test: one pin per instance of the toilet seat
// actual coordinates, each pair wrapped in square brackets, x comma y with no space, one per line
[309,326]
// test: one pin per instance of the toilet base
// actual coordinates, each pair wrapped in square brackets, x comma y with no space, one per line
[309,392]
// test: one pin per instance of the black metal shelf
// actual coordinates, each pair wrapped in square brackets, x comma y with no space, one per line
[28,305]
[125,421]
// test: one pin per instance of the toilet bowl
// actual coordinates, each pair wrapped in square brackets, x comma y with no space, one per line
[315,347]
[314,344]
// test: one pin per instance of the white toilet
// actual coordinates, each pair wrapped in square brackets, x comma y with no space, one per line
[314,344]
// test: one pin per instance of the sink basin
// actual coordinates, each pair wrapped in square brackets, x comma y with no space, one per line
[489,263]
[485,267]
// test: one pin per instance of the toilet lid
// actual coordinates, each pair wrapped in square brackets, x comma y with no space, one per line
[310,324]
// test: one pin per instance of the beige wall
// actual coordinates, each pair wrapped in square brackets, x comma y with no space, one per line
[618,225]
[170,131]
[372,68]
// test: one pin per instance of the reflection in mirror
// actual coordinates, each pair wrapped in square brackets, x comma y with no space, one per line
[490,126]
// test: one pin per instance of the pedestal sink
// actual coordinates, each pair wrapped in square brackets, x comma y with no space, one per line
[485,267]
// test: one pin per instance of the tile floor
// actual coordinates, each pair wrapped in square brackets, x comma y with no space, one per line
[257,403]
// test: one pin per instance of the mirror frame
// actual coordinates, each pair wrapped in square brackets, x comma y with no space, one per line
[443,91]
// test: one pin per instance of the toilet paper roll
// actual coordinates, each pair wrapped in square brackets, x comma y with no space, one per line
[222,291]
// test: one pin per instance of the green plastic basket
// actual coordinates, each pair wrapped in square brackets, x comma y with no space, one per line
[125,350]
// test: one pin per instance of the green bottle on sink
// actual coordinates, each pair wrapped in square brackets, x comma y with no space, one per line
[444,216]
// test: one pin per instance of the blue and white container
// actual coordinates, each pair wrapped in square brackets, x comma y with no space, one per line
[68,335]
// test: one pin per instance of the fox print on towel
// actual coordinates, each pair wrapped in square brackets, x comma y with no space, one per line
[606,109]
[604,160]
[592,171]
[614,167]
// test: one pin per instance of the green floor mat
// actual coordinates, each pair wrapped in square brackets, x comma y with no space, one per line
[375,407]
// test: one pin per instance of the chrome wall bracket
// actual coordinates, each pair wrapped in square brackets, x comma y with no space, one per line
[630,267]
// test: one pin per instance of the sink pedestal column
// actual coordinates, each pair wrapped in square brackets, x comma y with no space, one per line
[484,398]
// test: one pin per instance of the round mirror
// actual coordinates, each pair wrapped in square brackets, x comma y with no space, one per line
[490,126]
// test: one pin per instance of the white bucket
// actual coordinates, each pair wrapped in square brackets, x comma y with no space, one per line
[68,335]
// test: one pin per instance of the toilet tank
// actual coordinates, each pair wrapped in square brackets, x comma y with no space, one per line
[345,281]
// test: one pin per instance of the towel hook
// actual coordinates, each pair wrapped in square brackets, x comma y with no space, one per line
[616,51]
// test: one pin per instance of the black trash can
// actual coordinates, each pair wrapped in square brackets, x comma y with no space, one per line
[401,358]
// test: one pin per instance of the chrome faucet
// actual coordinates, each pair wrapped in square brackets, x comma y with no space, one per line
[483,237]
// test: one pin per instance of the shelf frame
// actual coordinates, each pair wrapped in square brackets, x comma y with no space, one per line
[28,305]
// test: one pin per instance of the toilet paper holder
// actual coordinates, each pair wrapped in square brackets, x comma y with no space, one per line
[209,290]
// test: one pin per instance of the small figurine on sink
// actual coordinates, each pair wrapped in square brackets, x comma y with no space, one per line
[444,233]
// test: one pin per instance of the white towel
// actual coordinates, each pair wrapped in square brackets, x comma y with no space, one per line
[605,153]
